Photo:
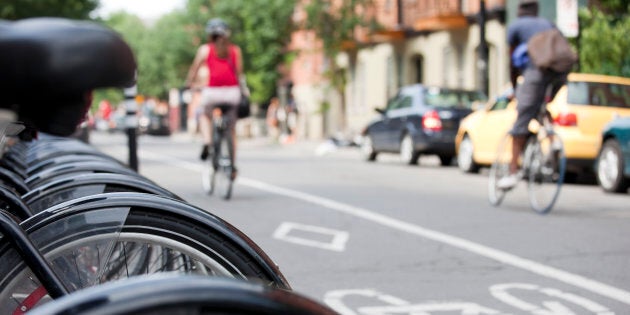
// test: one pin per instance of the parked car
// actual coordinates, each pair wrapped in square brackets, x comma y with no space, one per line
[613,162]
[580,109]
[157,124]
[153,118]
[419,120]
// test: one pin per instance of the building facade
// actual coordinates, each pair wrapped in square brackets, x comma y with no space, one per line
[433,42]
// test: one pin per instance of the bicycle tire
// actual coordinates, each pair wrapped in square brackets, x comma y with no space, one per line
[42,150]
[66,159]
[546,171]
[207,178]
[500,168]
[81,185]
[223,173]
[51,174]
[202,239]
[168,294]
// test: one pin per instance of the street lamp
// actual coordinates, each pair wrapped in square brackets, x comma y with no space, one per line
[482,63]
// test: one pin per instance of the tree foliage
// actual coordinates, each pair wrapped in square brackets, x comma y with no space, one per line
[165,49]
[133,31]
[336,23]
[621,7]
[165,56]
[21,9]
[604,37]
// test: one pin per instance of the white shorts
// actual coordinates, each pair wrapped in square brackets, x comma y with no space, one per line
[219,95]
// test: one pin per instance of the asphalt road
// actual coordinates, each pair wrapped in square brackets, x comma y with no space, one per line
[386,238]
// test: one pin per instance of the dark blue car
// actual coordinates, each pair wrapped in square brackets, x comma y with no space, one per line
[613,162]
[419,120]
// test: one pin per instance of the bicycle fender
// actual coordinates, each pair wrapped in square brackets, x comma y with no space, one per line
[160,204]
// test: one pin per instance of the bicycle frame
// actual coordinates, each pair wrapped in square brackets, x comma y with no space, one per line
[31,256]
[220,127]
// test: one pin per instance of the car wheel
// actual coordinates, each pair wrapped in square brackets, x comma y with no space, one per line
[407,152]
[446,160]
[465,160]
[610,168]
[367,149]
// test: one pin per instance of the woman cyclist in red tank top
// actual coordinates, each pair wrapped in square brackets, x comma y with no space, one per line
[224,62]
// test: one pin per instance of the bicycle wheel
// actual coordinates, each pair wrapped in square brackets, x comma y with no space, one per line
[82,185]
[207,178]
[167,294]
[223,174]
[546,167]
[500,168]
[113,236]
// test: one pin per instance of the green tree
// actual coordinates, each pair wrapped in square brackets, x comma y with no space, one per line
[133,31]
[604,44]
[616,7]
[336,24]
[165,56]
[73,9]
[165,49]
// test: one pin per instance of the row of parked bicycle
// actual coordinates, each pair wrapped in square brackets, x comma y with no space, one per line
[75,224]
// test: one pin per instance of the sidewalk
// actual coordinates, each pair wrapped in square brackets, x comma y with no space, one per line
[316,147]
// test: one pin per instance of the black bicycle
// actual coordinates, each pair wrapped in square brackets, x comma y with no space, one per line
[542,164]
[218,175]
[168,294]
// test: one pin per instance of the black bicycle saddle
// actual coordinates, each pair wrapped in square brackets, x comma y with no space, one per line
[49,66]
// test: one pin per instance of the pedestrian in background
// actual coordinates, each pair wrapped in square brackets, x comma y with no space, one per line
[273,126]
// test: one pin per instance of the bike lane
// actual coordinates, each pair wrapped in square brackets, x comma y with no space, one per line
[381,265]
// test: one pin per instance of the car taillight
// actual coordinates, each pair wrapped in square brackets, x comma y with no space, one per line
[566,119]
[431,121]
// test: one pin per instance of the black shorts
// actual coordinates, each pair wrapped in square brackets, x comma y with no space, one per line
[530,95]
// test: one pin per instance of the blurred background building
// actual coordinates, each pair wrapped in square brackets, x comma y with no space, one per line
[433,42]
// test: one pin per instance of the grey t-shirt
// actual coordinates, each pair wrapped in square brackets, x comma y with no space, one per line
[521,30]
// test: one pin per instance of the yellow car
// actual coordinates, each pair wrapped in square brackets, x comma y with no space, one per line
[580,109]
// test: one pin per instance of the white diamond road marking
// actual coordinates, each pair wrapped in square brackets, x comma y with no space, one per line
[337,241]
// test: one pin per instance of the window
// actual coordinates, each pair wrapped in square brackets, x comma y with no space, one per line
[418,65]
[599,94]
[500,104]
[393,102]
[399,102]
[405,102]
[439,97]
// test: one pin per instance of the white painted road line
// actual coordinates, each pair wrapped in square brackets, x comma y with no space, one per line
[553,302]
[337,239]
[597,287]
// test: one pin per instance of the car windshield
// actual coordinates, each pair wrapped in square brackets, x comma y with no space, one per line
[439,97]
[599,94]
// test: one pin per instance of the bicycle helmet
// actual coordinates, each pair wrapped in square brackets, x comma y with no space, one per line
[217,27]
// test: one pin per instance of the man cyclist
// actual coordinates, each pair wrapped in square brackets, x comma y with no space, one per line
[531,93]
[225,64]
